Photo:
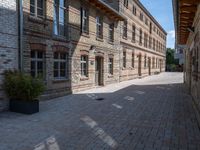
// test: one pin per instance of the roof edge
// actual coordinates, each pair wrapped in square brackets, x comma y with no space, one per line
[149,14]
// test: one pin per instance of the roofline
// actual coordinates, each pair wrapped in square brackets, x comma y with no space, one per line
[175,16]
[149,14]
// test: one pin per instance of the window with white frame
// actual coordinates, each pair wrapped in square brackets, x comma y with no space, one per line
[133,60]
[60,65]
[37,63]
[111,32]
[133,33]
[150,42]
[146,21]
[140,40]
[141,16]
[37,8]
[125,29]
[126,3]
[145,61]
[99,26]
[110,65]
[84,65]
[145,39]
[134,10]
[59,17]
[84,20]
[154,44]
[124,59]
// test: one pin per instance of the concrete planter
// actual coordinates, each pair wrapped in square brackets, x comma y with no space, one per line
[25,107]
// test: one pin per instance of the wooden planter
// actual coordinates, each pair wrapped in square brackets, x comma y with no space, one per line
[25,107]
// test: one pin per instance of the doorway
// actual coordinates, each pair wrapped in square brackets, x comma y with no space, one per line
[139,64]
[160,65]
[149,65]
[99,71]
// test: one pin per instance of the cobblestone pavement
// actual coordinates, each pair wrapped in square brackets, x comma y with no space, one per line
[154,113]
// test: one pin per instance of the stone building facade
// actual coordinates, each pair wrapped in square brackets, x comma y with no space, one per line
[8,41]
[142,38]
[188,38]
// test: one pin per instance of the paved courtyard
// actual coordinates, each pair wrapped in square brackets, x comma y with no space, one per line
[154,113]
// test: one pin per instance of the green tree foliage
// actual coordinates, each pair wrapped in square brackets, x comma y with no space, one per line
[23,87]
[170,56]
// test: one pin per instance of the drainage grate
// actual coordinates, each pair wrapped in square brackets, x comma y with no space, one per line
[100,99]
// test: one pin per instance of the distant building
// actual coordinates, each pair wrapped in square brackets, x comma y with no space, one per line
[187,24]
[143,40]
[179,56]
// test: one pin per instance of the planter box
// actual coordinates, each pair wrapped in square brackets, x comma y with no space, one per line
[25,107]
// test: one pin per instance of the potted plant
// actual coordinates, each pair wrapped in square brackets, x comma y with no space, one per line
[23,91]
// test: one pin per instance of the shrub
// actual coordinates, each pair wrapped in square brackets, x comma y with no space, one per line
[21,86]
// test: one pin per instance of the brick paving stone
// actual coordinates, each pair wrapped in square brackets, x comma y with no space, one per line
[157,119]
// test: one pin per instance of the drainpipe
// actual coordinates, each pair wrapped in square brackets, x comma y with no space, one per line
[20,34]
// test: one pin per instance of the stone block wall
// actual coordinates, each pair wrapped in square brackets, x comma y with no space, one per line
[8,42]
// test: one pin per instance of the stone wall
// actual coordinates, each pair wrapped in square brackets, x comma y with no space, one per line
[192,67]
[8,41]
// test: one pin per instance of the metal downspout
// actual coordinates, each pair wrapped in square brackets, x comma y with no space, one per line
[20,31]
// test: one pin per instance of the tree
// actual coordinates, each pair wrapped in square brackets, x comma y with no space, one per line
[170,56]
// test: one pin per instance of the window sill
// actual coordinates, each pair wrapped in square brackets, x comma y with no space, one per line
[111,42]
[84,34]
[38,20]
[110,76]
[133,41]
[132,68]
[99,39]
[60,80]
[84,78]
[125,38]
[59,37]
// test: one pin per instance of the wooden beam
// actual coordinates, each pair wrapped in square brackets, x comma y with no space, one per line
[190,1]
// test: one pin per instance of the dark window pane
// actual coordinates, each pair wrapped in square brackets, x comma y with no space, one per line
[40,55]
[62,73]
[55,55]
[32,10]
[40,65]
[55,65]
[40,3]
[40,12]
[33,65]
[33,54]
[62,56]
[63,66]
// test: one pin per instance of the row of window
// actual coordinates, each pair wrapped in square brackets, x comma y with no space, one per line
[59,27]
[148,41]
[155,61]
[60,64]
[145,20]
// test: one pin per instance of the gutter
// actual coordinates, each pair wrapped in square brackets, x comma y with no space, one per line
[20,35]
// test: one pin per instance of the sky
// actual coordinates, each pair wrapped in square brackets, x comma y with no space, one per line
[163,13]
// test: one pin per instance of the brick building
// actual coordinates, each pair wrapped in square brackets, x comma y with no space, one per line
[142,38]
[75,45]
[71,44]
[187,25]
[8,41]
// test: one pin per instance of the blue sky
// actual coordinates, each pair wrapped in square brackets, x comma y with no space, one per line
[162,12]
